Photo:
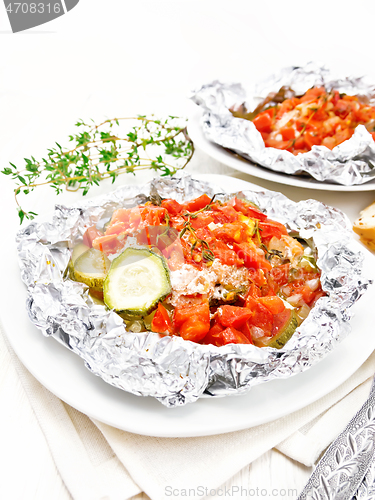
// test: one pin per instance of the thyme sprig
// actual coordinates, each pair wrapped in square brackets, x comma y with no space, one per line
[257,231]
[105,151]
[167,228]
[207,253]
[270,254]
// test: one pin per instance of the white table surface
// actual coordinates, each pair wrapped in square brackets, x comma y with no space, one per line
[117,58]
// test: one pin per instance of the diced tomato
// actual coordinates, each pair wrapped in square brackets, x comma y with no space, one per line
[248,209]
[364,114]
[223,337]
[90,234]
[135,217]
[272,228]
[273,303]
[312,94]
[255,213]
[204,234]
[107,244]
[141,216]
[152,215]
[274,143]
[217,328]
[120,215]
[321,114]
[184,313]
[161,322]
[160,237]
[246,329]
[342,108]
[240,205]
[223,214]
[232,336]
[225,255]
[271,112]
[263,122]
[280,274]
[231,232]
[287,133]
[350,97]
[258,277]
[250,256]
[343,135]
[172,206]
[202,220]
[197,203]
[233,315]
[300,143]
[262,317]
[175,256]
[318,294]
[254,291]
[116,228]
[335,98]
[329,142]
[194,329]
[286,106]
[312,140]
[280,320]
[307,294]
[213,336]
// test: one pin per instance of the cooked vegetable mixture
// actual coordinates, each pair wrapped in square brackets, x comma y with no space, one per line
[211,272]
[318,118]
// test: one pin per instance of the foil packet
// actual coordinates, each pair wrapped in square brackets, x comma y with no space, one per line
[350,163]
[173,370]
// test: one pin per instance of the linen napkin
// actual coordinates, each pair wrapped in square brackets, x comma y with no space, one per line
[97,461]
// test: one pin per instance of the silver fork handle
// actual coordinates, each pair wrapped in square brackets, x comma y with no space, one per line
[347,468]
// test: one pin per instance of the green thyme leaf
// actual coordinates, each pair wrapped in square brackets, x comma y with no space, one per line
[105,151]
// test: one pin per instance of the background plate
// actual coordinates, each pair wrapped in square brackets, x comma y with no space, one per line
[65,375]
[235,161]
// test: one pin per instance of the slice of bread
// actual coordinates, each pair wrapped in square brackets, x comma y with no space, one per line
[364,226]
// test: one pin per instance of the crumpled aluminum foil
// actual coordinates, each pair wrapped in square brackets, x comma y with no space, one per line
[350,163]
[170,369]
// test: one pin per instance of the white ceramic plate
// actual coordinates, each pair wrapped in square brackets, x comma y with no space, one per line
[64,374]
[235,161]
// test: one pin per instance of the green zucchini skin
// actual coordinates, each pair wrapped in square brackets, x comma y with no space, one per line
[281,338]
[137,281]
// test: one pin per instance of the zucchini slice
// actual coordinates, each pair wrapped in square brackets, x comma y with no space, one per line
[91,268]
[137,280]
[78,250]
[285,325]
